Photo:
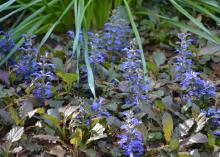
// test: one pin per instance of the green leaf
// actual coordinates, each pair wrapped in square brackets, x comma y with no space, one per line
[6,116]
[14,115]
[160,105]
[159,58]
[15,134]
[58,64]
[52,121]
[155,136]
[167,122]
[55,24]
[112,106]
[115,152]
[174,144]
[69,78]
[152,67]
[54,112]
[91,80]
[34,2]
[77,138]
[97,133]
[211,140]
[184,155]
[3,92]
[6,5]
[194,20]
[184,26]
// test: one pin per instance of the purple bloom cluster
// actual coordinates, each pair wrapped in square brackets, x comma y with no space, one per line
[6,45]
[97,52]
[117,32]
[214,115]
[131,141]
[133,73]
[28,63]
[97,107]
[71,34]
[190,80]
[43,77]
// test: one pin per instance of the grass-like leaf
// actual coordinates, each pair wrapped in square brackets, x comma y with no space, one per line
[6,5]
[135,30]
[55,24]
[91,81]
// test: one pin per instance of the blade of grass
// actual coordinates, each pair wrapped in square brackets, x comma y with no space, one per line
[77,61]
[138,38]
[18,19]
[201,9]
[29,18]
[55,24]
[183,26]
[78,23]
[20,42]
[191,18]
[6,5]
[27,26]
[50,9]
[19,9]
[91,81]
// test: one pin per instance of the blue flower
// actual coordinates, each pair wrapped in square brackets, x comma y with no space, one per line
[130,140]
[214,115]
[217,132]
[43,76]
[98,109]
[95,106]
[117,32]
[97,53]
[6,45]
[194,86]
[133,73]
[27,64]
[43,90]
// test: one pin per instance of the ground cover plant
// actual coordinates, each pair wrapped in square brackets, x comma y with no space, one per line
[109,92]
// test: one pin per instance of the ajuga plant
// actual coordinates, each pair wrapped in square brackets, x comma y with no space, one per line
[195,88]
[130,140]
[40,73]
[214,119]
[43,77]
[117,32]
[133,73]
[6,45]
[27,63]
[106,45]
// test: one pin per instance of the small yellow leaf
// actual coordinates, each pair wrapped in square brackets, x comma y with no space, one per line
[41,110]
[77,138]
[167,122]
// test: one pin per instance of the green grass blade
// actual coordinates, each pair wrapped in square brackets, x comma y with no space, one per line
[28,25]
[193,20]
[19,9]
[36,14]
[202,10]
[20,42]
[78,51]
[91,81]
[79,24]
[55,24]
[138,38]
[6,5]
[184,26]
